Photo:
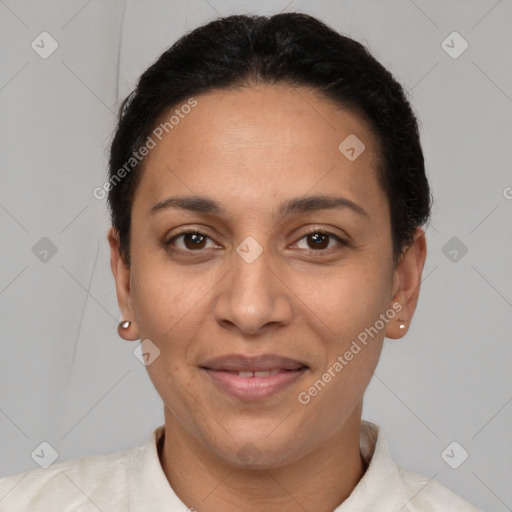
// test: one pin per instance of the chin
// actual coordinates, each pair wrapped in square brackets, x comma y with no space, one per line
[258,451]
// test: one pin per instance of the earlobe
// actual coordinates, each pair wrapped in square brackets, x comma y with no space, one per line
[397,328]
[125,331]
[121,273]
[406,284]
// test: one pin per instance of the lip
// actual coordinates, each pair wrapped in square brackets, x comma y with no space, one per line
[263,362]
[223,371]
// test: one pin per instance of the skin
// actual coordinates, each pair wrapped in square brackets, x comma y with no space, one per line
[251,150]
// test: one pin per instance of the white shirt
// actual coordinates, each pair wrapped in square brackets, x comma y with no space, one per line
[133,480]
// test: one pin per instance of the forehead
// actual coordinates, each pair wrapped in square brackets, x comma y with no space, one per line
[253,145]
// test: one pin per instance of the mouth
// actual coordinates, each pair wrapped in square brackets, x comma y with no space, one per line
[253,378]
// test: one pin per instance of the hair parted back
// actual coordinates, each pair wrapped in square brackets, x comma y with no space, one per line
[289,48]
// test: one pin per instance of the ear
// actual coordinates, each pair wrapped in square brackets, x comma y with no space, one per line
[406,284]
[121,273]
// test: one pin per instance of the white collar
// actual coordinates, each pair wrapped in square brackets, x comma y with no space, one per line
[380,485]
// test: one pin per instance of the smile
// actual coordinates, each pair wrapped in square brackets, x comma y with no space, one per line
[253,378]
[251,386]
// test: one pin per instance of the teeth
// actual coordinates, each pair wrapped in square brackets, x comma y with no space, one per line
[263,373]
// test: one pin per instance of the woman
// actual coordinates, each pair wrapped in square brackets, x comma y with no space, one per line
[267,193]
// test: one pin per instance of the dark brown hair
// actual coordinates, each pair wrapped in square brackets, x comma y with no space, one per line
[290,48]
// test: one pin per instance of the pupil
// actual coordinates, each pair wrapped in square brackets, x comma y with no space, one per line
[319,239]
[195,239]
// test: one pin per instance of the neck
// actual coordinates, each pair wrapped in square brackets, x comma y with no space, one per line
[321,480]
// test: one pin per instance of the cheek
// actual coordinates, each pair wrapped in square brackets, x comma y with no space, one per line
[347,308]
[164,301]
[347,301]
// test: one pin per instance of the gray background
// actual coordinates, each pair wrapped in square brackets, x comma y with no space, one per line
[66,377]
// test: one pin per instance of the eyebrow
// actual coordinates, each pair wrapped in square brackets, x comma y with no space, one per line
[298,205]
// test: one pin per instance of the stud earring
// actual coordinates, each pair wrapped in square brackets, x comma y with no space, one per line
[402,324]
[125,324]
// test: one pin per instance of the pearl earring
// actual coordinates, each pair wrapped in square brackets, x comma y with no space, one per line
[401,325]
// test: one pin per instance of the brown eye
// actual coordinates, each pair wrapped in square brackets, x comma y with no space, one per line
[317,241]
[194,241]
[188,241]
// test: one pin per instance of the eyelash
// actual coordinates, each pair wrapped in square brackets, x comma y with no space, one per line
[342,243]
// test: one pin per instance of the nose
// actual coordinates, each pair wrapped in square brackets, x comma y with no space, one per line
[253,296]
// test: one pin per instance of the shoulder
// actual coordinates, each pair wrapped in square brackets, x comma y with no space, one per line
[389,486]
[86,483]
[425,494]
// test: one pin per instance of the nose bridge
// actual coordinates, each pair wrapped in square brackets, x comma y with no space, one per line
[252,296]
[252,268]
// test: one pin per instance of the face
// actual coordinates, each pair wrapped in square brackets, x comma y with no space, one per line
[278,266]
